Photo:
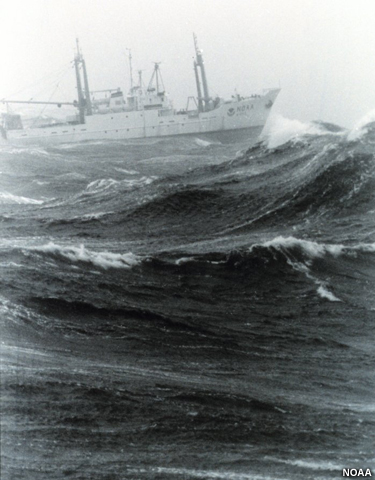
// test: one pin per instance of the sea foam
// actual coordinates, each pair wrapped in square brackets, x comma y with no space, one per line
[175,472]
[8,198]
[81,254]
[360,128]
[313,249]
[280,130]
[202,143]
[324,293]
[103,184]
[310,464]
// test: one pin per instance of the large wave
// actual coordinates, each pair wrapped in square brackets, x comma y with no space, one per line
[324,177]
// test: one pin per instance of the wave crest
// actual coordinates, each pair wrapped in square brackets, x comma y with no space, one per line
[312,250]
[81,254]
[281,130]
[362,127]
[10,199]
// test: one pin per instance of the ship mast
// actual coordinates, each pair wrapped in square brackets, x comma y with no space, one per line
[81,102]
[84,100]
[87,90]
[200,63]
[130,68]
[199,91]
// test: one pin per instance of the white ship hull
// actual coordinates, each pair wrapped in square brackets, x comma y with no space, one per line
[235,115]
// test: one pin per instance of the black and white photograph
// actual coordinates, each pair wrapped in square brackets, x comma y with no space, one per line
[187,239]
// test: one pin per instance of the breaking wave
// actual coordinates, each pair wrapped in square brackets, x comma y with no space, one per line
[81,254]
[281,130]
[309,250]
[362,127]
[9,199]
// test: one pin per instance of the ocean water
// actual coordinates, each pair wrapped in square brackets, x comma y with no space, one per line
[186,309]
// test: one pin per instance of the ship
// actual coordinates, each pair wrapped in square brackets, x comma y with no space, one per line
[146,112]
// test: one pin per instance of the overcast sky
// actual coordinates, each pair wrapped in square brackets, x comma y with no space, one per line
[321,52]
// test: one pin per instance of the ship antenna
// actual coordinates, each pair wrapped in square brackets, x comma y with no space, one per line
[78,52]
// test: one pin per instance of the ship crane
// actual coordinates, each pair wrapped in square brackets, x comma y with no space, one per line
[58,104]
[156,76]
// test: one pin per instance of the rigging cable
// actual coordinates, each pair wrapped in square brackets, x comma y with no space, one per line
[61,71]
[51,96]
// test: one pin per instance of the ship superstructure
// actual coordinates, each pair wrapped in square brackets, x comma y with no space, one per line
[145,112]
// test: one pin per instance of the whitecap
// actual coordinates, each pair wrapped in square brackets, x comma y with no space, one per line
[81,254]
[176,472]
[72,175]
[128,172]
[93,216]
[182,260]
[9,198]
[100,185]
[313,249]
[202,143]
[310,248]
[359,129]
[103,184]
[325,293]
[280,130]
[310,464]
